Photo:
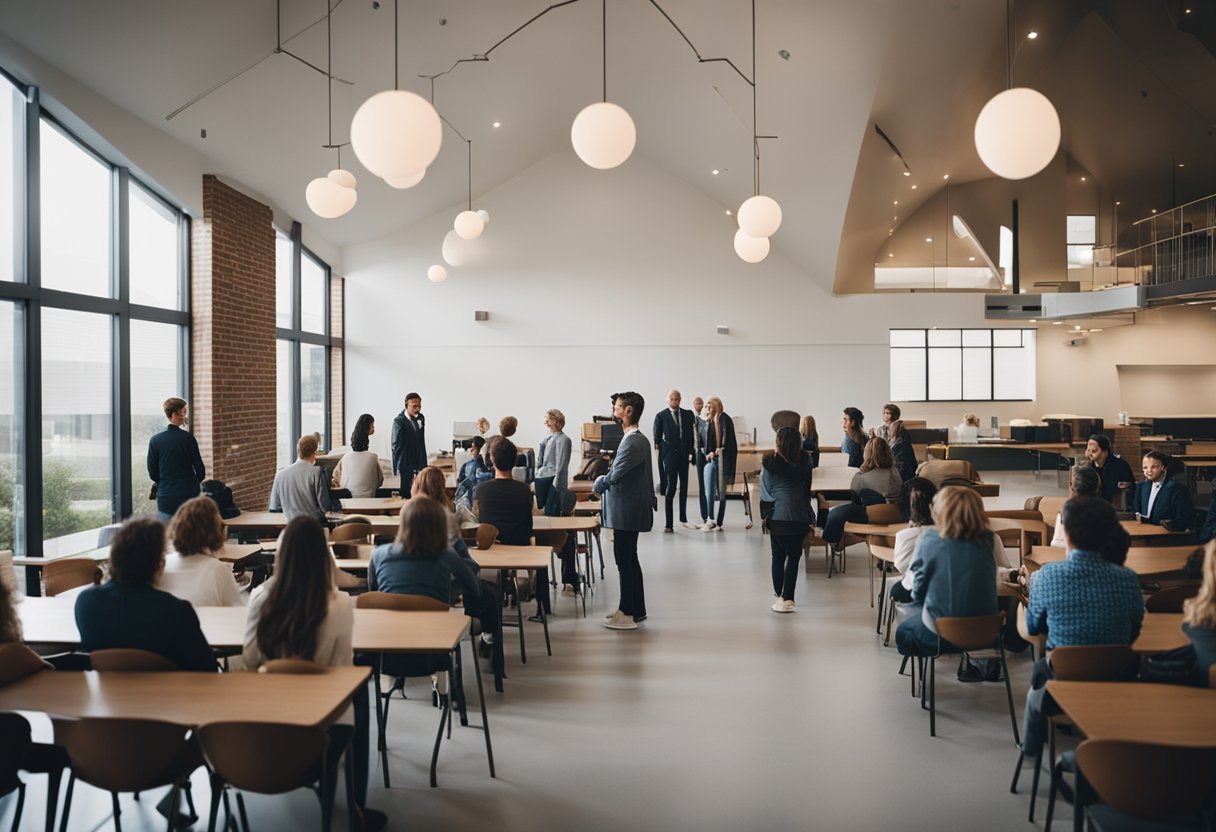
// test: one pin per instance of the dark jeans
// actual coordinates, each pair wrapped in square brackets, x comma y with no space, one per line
[787,552]
[1034,719]
[701,495]
[544,492]
[625,552]
[833,529]
[487,609]
[913,638]
[676,468]
[900,594]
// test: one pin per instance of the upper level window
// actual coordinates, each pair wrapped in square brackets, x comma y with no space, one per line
[76,216]
[282,281]
[962,365]
[313,289]
[11,104]
[1082,237]
[155,273]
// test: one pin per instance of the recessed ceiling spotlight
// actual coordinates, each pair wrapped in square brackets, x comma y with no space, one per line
[907,173]
[1032,321]
[497,124]
[1118,203]
[715,171]
[947,176]
[895,218]
[1076,328]
[728,212]
[1056,323]
[896,202]
[1154,210]
[928,239]
[1186,11]
[1082,178]
[1181,164]
[1032,34]
[970,259]
[914,187]
[890,255]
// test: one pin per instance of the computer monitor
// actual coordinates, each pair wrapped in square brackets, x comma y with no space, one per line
[611,435]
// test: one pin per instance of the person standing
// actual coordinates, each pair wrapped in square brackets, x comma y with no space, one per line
[629,505]
[409,441]
[675,440]
[785,474]
[552,465]
[174,463]
[721,452]
[702,428]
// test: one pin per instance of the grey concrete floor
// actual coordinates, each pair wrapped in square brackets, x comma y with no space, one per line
[718,714]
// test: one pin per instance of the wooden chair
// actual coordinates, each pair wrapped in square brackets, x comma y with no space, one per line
[882,556]
[1141,782]
[269,759]
[1019,532]
[17,662]
[15,744]
[968,634]
[129,660]
[555,540]
[58,576]
[128,755]
[487,533]
[1170,599]
[357,531]
[1048,508]
[392,601]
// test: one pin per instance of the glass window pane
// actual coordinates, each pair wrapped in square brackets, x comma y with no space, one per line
[907,337]
[1007,337]
[12,493]
[945,374]
[977,374]
[10,121]
[1014,370]
[312,391]
[285,446]
[154,261]
[76,418]
[1080,257]
[977,337]
[282,281]
[312,295]
[1082,228]
[75,217]
[155,376]
[908,375]
[945,338]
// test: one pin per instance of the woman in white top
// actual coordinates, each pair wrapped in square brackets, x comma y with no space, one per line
[1084,481]
[915,503]
[358,471]
[193,570]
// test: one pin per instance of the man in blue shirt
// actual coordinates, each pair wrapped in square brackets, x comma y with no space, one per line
[174,463]
[1088,599]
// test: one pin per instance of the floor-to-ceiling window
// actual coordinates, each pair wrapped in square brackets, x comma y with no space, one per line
[93,331]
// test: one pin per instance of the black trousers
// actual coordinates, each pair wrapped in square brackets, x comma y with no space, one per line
[676,469]
[625,552]
[701,487]
[787,553]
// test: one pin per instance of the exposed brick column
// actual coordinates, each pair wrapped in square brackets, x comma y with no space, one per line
[1125,442]
[232,406]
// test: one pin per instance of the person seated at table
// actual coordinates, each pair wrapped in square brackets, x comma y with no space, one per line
[1084,481]
[421,561]
[810,438]
[1088,598]
[430,482]
[1115,473]
[890,415]
[300,614]
[1199,614]
[506,503]
[302,489]
[901,449]
[1159,500]
[193,569]
[953,572]
[854,443]
[1208,532]
[915,503]
[358,471]
[129,611]
[876,482]
[473,473]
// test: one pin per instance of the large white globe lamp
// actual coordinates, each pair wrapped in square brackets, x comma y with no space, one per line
[750,249]
[760,216]
[603,135]
[342,177]
[396,133]
[437,273]
[468,225]
[329,200]
[455,250]
[1017,133]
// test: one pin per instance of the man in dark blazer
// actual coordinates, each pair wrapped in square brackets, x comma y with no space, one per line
[629,505]
[702,432]
[675,432]
[409,441]
[174,463]
[1159,500]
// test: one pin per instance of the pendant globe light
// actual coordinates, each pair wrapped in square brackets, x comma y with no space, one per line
[333,195]
[437,273]
[603,134]
[1017,133]
[469,224]
[396,133]
[759,216]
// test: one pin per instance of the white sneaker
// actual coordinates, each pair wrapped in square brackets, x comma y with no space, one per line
[611,615]
[620,621]
[709,527]
[691,526]
[781,605]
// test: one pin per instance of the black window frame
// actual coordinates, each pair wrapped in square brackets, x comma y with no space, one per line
[992,348]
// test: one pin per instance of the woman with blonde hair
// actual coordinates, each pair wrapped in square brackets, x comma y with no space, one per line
[810,438]
[193,570]
[1199,613]
[953,571]
[721,453]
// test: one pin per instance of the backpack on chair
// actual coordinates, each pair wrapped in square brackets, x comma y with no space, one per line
[222,494]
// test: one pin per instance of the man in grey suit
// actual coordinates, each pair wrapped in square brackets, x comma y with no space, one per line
[629,506]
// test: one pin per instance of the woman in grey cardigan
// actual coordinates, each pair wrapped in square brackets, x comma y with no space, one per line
[552,464]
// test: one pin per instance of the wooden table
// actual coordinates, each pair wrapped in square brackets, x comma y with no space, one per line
[1147,531]
[189,698]
[881,529]
[276,521]
[1160,633]
[1139,711]
[1145,561]
[588,526]
[512,559]
[372,505]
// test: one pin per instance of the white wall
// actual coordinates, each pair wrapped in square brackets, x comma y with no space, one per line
[598,282]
